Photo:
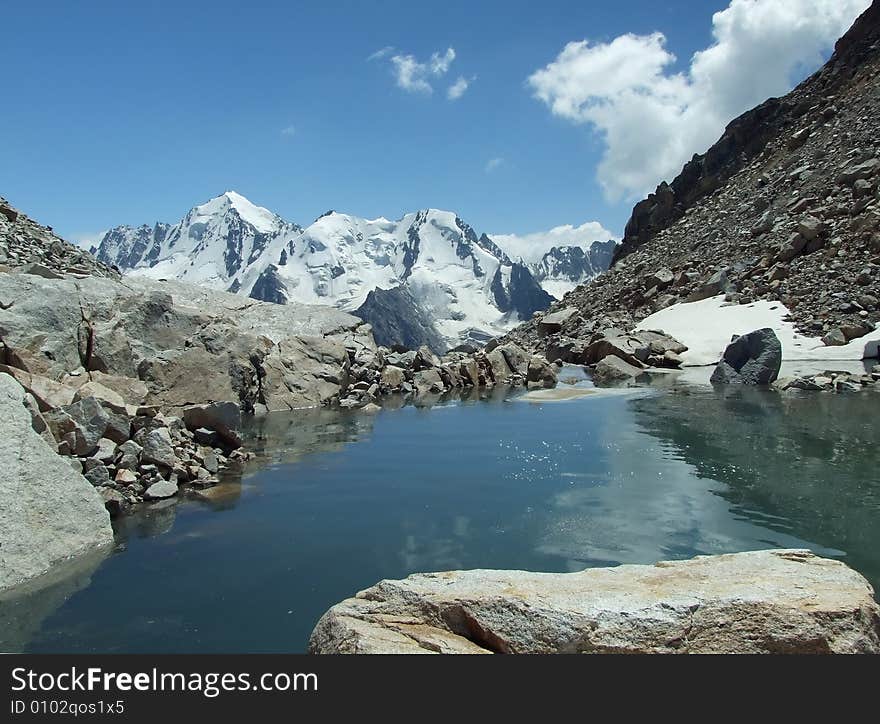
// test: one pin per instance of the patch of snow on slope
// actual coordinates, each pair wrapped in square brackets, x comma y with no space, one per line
[707,326]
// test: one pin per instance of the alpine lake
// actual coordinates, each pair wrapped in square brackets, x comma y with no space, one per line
[558,480]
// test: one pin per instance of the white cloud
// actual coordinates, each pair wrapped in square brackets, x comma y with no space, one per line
[381,53]
[457,89]
[288,131]
[440,63]
[651,119]
[492,164]
[86,240]
[413,76]
[531,247]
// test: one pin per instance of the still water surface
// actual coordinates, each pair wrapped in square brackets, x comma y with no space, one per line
[337,501]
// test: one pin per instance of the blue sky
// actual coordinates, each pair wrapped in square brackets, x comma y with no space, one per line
[132,112]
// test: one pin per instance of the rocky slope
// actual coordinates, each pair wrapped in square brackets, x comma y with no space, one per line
[786,601]
[465,284]
[784,207]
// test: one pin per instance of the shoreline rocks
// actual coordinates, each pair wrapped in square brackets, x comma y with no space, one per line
[776,601]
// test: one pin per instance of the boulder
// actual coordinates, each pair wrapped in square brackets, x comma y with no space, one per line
[104,395]
[555,321]
[498,364]
[540,373]
[717,284]
[224,417]
[48,511]
[161,489]
[779,601]
[516,357]
[428,381]
[157,447]
[752,359]
[612,369]
[392,377]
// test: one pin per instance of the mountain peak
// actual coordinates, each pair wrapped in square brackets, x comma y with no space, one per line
[259,217]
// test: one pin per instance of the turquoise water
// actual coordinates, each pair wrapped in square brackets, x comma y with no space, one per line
[337,501]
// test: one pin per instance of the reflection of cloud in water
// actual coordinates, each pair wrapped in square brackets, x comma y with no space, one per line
[437,546]
[649,505]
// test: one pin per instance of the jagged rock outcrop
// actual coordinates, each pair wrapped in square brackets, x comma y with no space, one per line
[48,512]
[785,207]
[397,320]
[782,601]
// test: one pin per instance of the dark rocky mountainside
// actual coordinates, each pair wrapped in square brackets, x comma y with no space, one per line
[784,207]
[397,319]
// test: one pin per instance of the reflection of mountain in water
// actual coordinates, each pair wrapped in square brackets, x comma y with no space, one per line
[803,464]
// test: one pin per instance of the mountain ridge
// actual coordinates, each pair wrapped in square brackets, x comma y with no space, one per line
[465,284]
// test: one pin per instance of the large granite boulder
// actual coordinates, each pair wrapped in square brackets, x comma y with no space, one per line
[48,512]
[752,359]
[780,601]
[172,344]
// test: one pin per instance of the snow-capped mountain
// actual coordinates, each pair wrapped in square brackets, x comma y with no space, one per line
[463,285]
[564,267]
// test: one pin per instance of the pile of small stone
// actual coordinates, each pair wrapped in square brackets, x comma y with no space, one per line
[32,247]
[417,373]
[132,453]
[831,381]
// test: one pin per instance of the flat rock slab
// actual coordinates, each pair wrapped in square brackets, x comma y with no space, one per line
[779,601]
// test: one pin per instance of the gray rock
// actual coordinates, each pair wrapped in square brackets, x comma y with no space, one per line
[48,512]
[540,373]
[555,321]
[428,381]
[223,417]
[98,475]
[106,450]
[752,359]
[612,369]
[392,377]
[157,447]
[204,436]
[161,489]
[780,601]
[810,227]
[834,338]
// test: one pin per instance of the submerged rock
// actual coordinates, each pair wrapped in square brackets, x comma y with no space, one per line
[780,601]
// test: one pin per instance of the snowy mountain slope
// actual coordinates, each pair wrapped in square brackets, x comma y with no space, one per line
[561,258]
[465,285]
[564,267]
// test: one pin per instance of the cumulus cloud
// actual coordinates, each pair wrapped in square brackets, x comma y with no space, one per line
[414,76]
[652,119]
[457,89]
[531,247]
[493,163]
